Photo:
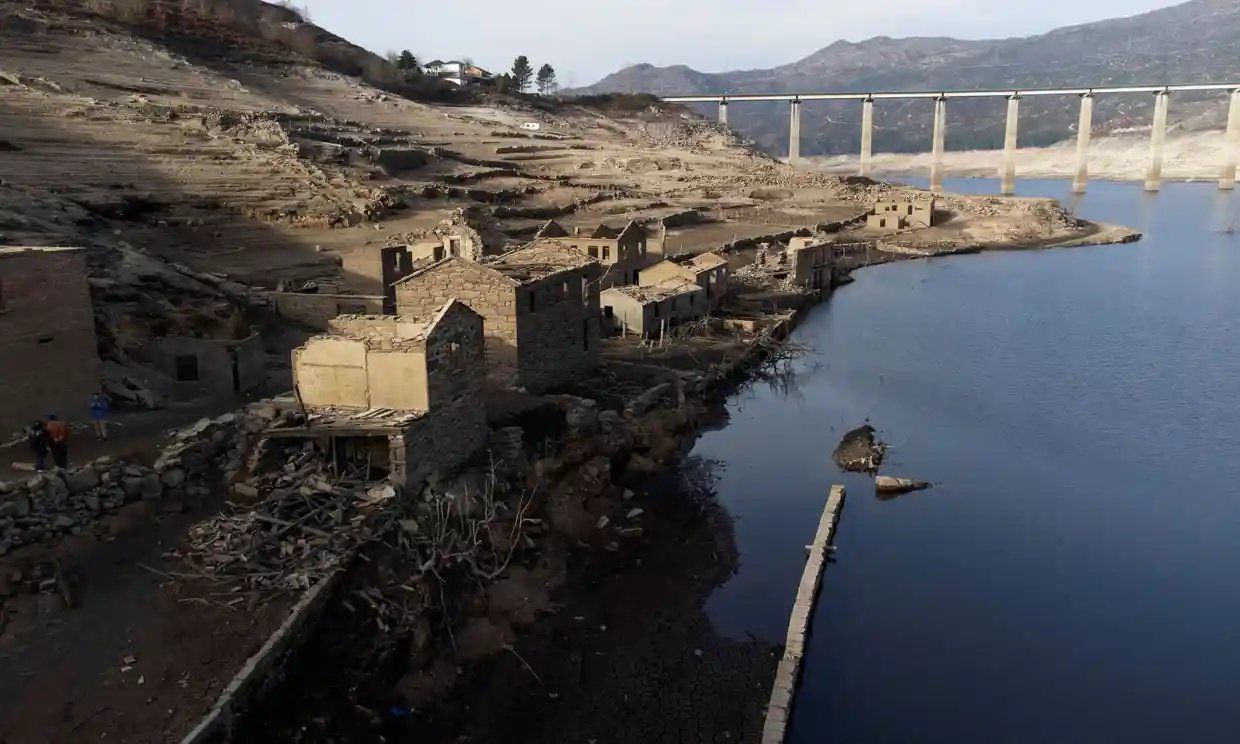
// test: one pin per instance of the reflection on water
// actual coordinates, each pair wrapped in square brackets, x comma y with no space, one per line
[1071,576]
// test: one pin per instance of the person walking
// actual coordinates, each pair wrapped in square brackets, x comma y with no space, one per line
[100,407]
[36,435]
[58,436]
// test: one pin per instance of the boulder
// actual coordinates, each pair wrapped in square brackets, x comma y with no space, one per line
[82,480]
[17,506]
[173,477]
[152,486]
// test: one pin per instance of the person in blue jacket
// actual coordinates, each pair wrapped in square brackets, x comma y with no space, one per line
[100,407]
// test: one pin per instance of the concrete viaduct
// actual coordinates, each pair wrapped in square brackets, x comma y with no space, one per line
[1007,172]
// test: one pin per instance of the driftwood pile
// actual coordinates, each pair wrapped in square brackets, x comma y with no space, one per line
[301,523]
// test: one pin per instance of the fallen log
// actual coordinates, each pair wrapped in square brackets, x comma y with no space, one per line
[888,484]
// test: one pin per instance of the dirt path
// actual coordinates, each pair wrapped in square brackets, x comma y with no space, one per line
[134,659]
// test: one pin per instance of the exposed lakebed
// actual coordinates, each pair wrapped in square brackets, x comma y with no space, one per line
[1071,576]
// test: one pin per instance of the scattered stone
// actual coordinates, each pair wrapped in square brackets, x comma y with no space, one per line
[245,490]
[602,523]
[634,513]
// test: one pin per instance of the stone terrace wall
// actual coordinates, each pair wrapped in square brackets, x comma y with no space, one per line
[485,292]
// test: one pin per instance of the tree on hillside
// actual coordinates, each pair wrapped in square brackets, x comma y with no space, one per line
[546,80]
[407,61]
[521,73]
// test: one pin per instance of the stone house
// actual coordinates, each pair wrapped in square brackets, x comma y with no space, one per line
[49,357]
[540,306]
[192,368]
[469,233]
[811,263]
[623,253]
[707,270]
[650,309]
[893,215]
[402,394]
[372,270]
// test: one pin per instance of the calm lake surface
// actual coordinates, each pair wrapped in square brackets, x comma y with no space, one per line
[1075,574]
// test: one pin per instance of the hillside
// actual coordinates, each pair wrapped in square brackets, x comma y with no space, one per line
[1197,41]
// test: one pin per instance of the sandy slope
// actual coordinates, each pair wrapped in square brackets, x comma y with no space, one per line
[1189,156]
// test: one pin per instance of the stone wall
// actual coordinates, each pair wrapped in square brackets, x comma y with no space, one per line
[558,333]
[372,270]
[223,368]
[317,310]
[456,428]
[49,360]
[486,292]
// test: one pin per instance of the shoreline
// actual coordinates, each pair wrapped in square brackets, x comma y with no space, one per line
[530,689]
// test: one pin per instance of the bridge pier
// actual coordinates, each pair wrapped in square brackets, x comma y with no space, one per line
[794,131]
[1084,131]
[1158,134]
[723,111]
[1007,173]
[867,135]
[940,140]
[1231,144]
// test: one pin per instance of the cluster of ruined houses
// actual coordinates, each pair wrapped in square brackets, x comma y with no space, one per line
[409,340]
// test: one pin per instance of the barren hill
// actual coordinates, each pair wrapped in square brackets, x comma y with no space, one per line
[208,149]
[1197,41]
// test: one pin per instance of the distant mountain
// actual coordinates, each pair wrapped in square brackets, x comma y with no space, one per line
[1197,41]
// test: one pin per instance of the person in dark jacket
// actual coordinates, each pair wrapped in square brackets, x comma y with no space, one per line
[39,443]
[58,434]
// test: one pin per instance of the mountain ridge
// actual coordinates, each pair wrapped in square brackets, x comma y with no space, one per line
[1148,48]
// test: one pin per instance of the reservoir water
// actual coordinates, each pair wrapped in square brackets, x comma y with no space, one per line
[1074,576]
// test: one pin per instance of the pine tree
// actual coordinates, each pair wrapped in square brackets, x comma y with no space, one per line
[546,80]
[407,61]
[521,73]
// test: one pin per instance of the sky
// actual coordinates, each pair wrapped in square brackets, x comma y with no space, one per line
[584,40]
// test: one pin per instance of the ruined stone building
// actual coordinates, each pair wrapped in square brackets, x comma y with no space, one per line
[540,307]
[186,368]
[469,233]
[707,270]
[893,215]
[652,309]
[401,394]
[623,253]
[49,358]
[811,263]
[373,270]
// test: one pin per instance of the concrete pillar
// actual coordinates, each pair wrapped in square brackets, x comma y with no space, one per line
[723,112]
[1007,174]
[794,132]
[1158,133]
[1084,131]
[867,135]
[940,140]
[1231,144]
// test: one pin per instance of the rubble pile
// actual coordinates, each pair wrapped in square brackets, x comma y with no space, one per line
[290,525]
[56,503]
